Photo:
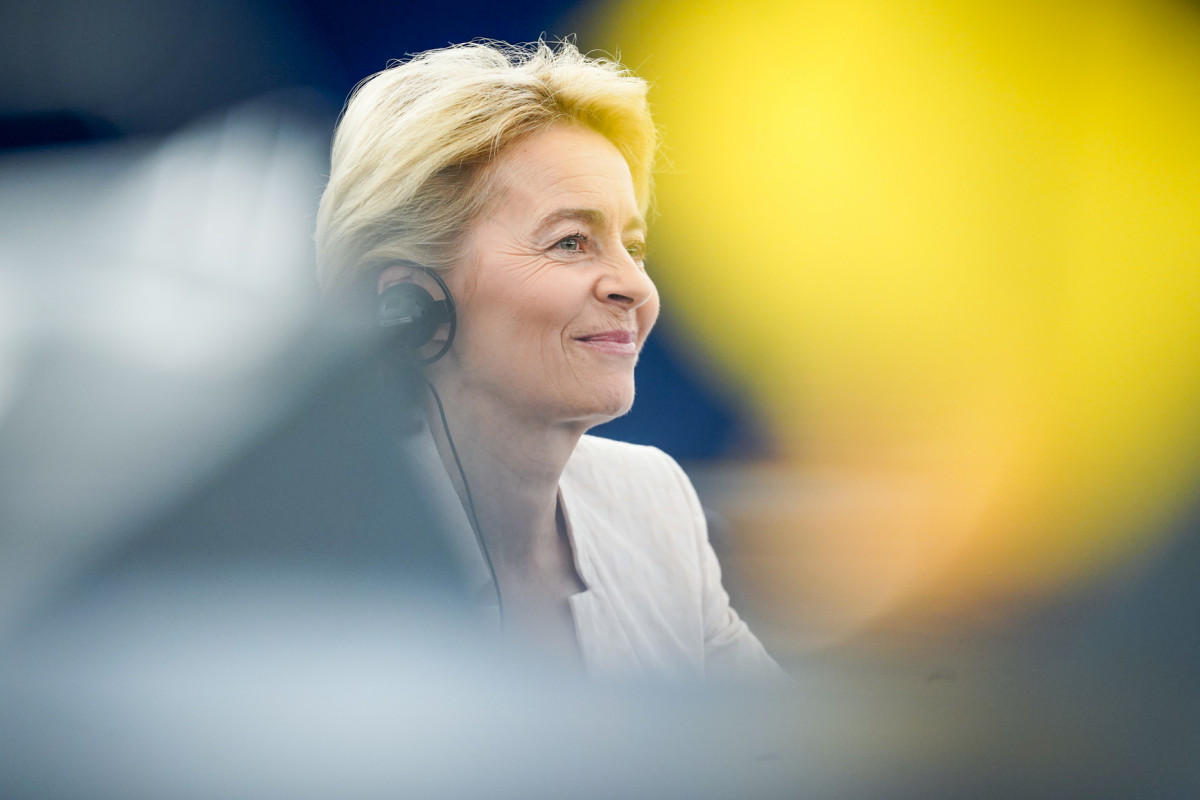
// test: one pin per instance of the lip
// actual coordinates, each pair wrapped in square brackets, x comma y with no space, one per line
[617,342]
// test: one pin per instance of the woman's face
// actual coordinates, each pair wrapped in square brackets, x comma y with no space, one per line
[554,301]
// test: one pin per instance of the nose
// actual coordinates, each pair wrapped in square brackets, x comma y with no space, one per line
[625,283]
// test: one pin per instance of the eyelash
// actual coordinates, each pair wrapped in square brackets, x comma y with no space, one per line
[635,249]
[583,239]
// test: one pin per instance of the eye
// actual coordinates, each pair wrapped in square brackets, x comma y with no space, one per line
[574,243]
[637,250]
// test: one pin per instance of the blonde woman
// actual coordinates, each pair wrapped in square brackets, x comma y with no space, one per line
[520,176]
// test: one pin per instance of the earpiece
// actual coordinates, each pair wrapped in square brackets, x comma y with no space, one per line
[411,316]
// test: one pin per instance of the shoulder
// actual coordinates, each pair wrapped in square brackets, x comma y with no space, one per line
[632,489]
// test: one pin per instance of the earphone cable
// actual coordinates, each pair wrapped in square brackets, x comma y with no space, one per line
[475,527]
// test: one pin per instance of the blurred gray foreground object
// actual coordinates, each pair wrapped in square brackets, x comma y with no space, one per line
[306,539]
[294,626]
[318,494]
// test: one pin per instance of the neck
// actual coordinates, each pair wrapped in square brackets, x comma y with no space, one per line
[513,466]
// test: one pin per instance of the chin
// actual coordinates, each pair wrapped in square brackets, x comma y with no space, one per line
[598,405]
[618,406]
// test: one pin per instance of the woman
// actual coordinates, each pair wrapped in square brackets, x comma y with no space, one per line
[521,176]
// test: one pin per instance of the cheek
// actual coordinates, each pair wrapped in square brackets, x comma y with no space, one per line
[552,307]
[523,330]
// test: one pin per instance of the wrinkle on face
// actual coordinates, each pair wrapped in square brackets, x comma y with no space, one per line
[524,296]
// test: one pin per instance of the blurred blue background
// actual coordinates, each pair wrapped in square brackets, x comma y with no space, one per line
[74,73]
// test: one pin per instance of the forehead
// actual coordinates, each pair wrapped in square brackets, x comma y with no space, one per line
[565,172]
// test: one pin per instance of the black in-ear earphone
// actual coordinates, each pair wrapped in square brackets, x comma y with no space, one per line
[410,314]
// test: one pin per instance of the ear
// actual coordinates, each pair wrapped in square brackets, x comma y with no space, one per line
[411,272]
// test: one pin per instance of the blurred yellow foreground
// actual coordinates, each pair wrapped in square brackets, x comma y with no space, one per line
[953,250]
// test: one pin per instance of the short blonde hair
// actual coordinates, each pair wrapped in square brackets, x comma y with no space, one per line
[408,165]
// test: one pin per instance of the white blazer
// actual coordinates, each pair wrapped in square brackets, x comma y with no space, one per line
[653,606]
[654,603]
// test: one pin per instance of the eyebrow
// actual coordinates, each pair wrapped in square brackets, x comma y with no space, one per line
[592,216]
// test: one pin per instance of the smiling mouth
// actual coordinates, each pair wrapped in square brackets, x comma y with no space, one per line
[618,342]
